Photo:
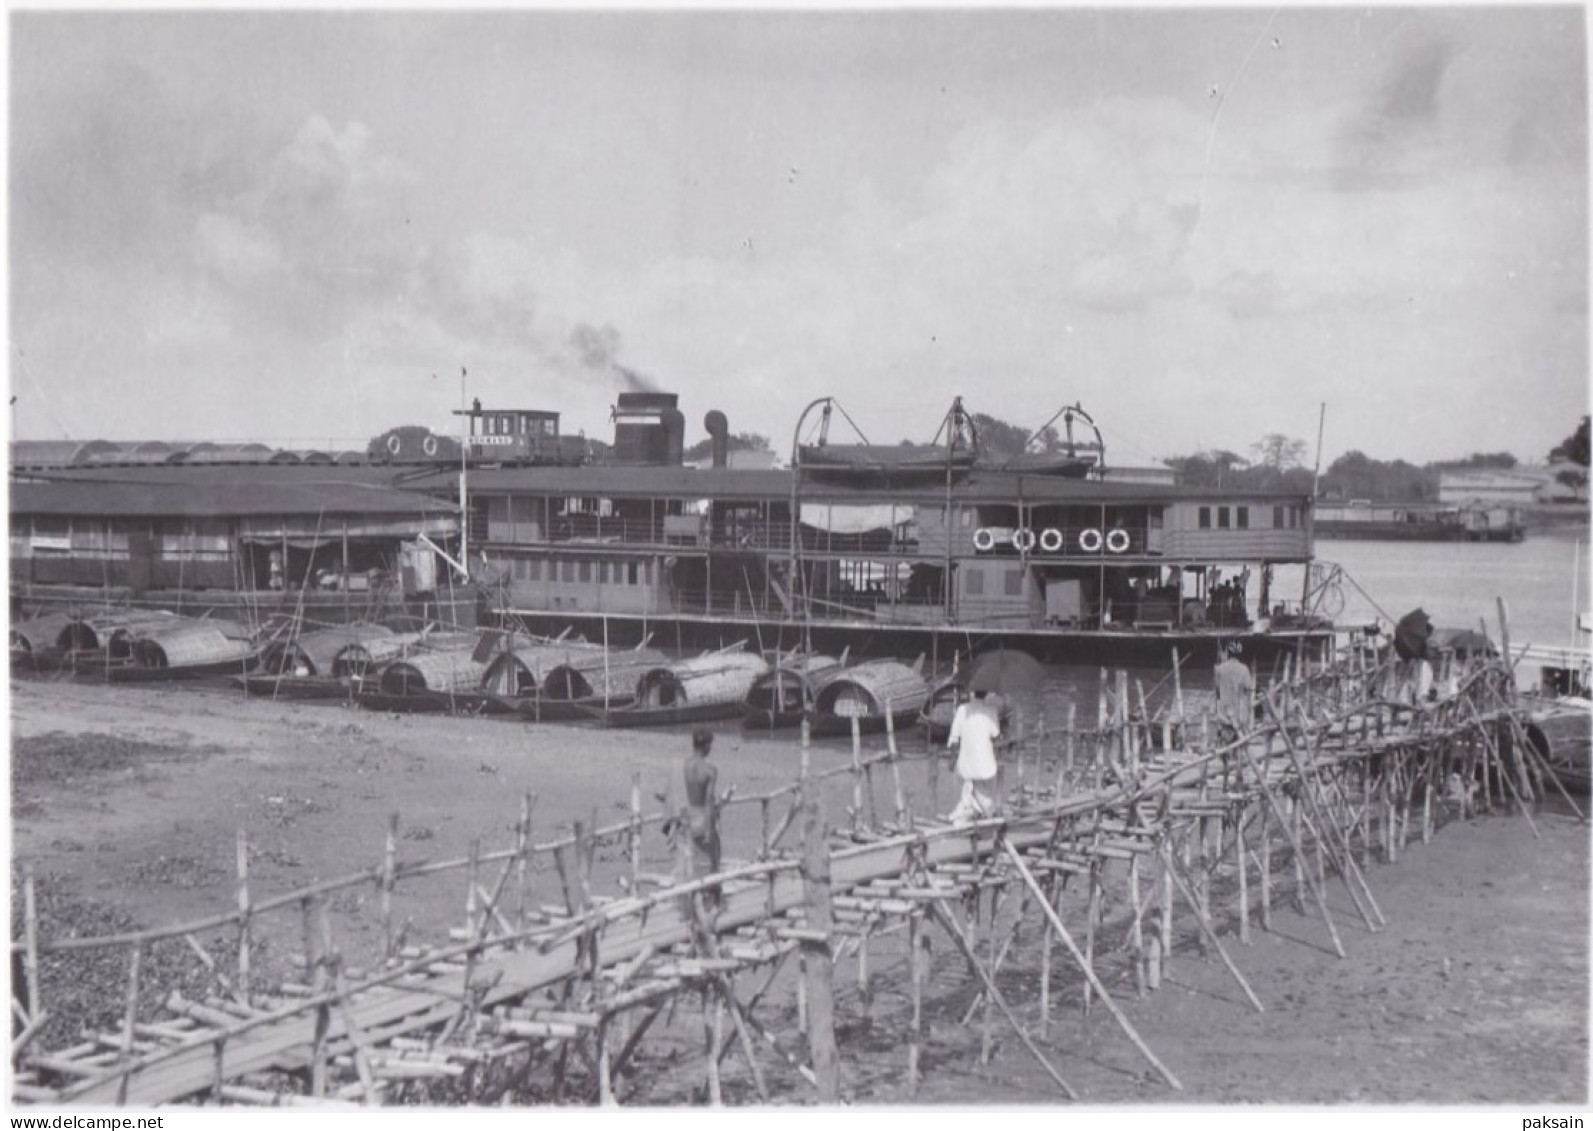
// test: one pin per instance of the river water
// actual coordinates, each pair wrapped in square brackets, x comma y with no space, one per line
[1457,583]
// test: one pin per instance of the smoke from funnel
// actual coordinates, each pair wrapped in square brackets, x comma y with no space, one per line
[597,349]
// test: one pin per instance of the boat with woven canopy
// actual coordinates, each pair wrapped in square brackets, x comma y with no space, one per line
[700,689]
[783,694]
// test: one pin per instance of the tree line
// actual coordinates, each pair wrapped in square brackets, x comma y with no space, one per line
[1277,462]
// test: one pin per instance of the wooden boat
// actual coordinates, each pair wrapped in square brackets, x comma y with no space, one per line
[286,685]
[190,649]
[700,689]
[601,677]
[362,658]
[1561,730]
[868,692]
[783,694]
[448,680]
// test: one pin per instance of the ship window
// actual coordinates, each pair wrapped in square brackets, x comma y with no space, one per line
[1222,518]
[975,584]
[1014,582]
[533,571]
[631,569]
[569,571]
[1242,517]
[586,571]
[1277,517]
[967,517]
[1205,518]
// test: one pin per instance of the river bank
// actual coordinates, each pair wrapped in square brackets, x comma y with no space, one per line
[126,802]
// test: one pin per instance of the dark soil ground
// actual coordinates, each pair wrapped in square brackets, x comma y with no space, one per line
[126,802]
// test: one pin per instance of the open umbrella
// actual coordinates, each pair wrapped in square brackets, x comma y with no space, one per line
[1411,635]
[1006,671]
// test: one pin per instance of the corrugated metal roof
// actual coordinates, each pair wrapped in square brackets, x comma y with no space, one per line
[219,498]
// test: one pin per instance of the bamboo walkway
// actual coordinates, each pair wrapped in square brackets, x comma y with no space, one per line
[1181,826]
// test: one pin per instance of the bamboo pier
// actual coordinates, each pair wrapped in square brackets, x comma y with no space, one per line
[549,990]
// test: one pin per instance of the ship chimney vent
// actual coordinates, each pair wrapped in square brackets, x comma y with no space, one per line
[718,437]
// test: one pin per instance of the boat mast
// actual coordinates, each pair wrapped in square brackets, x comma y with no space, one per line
[464,502]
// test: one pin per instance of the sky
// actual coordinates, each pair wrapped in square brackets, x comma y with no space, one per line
[1200,224]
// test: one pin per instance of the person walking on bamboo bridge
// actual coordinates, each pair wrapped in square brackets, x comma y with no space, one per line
[974,730]
[1236,689]
[702,804]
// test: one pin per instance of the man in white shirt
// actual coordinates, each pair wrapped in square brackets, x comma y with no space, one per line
[974,730]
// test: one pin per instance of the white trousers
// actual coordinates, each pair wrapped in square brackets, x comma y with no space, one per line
[975,802]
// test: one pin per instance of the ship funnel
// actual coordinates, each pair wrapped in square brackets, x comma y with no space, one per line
[648,429]
[719,437]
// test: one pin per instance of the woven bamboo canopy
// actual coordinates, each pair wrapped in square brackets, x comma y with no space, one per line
[192,645]
[317,652]
[599,676]
[450,671]
[870,690]
[717,678]
[791,683]
[524,670]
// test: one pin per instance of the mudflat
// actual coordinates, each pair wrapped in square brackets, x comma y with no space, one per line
[127,801]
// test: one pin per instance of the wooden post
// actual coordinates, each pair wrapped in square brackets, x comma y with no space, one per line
[960,937]
[857,774]
[1089,971]
[988,1036]
[636,828]
[1136,933]
[818,973]
[243,917]
[389,869]
[30,944]
[1067,765]
[917,959]
[1047,945]
[1092,913]
[131,1019]
[1244,879]
[522,859]
[316,972]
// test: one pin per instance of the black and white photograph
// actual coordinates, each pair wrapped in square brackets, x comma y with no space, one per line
[658,558]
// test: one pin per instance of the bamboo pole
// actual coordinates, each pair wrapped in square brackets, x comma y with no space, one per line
[30,944]
[857,774]
[131,1019]
[389,867]
[1294,843]
[958,936]
[243,917]
[1089,971]
[1204,922]
[917,960]
[817,956]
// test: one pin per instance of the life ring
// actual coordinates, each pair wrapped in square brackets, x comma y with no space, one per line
[1117,541]
[1051,540]
[429,445]
[984,539]
[1023,539]
[1090,541]
[393,444]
